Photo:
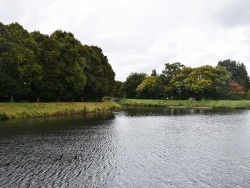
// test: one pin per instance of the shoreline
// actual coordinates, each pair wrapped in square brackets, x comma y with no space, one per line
[200,107]
[209,104]
[30,110]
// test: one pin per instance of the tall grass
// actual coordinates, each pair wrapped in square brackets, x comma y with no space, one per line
[24,110]
[226,104]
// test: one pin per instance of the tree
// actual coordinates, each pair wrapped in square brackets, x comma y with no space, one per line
[206,81]
[49,52]
[170,71]
[19,67]
[38,65]
[130,85]
[178,84]
[117,89]
[239,72]
[236,91]
[71,65]
[100,75]
[144,89]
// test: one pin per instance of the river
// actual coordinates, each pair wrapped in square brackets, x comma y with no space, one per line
[135,147]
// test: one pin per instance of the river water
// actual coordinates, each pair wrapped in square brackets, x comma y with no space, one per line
[136,147]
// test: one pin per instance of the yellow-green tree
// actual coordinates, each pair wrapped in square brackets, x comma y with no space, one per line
[207,81]
[145,89]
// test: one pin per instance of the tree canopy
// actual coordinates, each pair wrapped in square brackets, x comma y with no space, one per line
[34,65]
[228,80]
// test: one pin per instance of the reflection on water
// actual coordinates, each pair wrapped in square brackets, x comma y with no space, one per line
[136,147]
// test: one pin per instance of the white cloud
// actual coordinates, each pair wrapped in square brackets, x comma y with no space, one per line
[139,35]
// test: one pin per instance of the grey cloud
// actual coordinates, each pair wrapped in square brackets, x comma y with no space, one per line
[235,13]
[139,35]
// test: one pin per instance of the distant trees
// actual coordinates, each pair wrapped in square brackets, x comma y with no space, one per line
[208,82]
[130,85]
[239,72]
[117,90]
[228,80]
[34,65]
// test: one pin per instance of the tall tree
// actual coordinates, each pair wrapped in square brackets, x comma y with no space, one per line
[170,71]
[19,67]
[71,75]
[178,83]
[100,75]
[117,89]
[48,56]
[132,82]
[206,81]
[144,89]
[239,72]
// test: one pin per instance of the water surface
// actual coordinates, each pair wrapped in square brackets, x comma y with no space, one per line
[137,147]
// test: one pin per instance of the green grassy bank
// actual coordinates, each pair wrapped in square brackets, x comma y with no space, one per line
[25,110]
[223,104]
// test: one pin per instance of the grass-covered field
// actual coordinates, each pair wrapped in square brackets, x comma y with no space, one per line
[25,110]
[226,104]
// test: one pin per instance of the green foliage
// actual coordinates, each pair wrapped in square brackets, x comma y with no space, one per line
[171,70]
[56,66]
[18,65]
[130,85]
[239,72]
[178,82]
[206,81]
[169,73]
[117,90]
[100,75]
[71,65]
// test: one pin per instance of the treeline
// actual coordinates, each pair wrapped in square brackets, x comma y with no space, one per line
[35,66]
[228,80]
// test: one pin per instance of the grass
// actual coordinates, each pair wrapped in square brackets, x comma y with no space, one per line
[25,110]
[222,104]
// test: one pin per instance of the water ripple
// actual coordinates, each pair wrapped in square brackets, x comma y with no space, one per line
[131,149]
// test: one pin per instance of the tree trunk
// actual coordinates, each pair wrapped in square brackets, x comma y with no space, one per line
[11,98]
[57,99]
[81,99]
[38,99]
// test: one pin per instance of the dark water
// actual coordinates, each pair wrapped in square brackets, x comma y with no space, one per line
[149,147]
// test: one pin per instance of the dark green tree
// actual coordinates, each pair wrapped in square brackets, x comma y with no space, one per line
[18,63]
[130,85]
[239,72]
[117,89]
[70,75]
[100,75]
[48,56]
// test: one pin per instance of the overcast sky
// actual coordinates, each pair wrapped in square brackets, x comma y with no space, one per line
[142,35]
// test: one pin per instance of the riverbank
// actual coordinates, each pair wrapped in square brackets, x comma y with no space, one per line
[217,104]
[26,110]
